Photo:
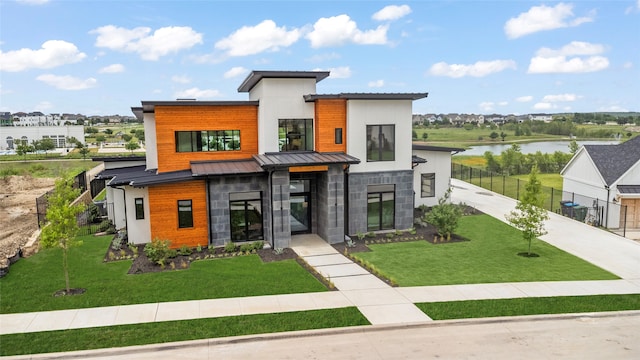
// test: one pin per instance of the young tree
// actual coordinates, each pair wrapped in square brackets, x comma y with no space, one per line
[132,145]
[62,228]
[529,215]
[425,136]
[46,145]
[444,216]
[573,147]
[23,148]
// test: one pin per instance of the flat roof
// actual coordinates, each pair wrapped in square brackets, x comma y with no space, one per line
[255,76]
[436,148]
[367,96]
[149,106]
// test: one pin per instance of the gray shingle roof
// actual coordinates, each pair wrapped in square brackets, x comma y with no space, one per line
[612,161]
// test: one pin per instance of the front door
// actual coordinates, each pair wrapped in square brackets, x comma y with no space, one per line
[300,202]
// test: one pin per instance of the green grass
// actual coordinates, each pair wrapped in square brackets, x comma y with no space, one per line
[490,257]
[31,282]
[151,333]
[529,306]
[46,168]
[548,180]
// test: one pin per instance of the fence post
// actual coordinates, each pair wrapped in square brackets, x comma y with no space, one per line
[517,189]
[551,200]
[624,228]
[490,180]
[480,177]
[504,179]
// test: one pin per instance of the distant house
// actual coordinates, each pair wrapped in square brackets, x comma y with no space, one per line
[431,172]
[610,173]
[540,117]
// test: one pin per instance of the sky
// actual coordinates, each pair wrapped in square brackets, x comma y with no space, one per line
[476,57]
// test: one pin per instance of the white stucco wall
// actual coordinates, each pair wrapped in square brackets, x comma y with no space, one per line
[361,113]
[117,198]
[280,99]
[37,132]
[439,163]
[150,141]
[139,231]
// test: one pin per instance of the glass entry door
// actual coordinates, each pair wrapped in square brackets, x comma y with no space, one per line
[300,203]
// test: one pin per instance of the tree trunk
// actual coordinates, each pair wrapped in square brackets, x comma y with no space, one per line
[65,267]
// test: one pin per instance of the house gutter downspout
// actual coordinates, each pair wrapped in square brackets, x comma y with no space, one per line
[271,222]
[346,199]
[208,194]
[606,221]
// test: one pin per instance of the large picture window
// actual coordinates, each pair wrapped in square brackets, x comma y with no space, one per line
[245,210]
[380,207]
[207,140]
[428,185]
[381,143]
[185,214]
[295,134]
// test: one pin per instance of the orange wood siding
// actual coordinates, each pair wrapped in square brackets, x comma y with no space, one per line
[170,119]
[330,114]
[163,209]
[308,168]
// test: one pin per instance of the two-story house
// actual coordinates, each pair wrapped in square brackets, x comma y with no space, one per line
[285,161]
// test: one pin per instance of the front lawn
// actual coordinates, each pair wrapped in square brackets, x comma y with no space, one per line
[489,257]
[169,331]
[31,282]
[529,306]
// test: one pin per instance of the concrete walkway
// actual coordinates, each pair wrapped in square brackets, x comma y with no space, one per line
[377,301]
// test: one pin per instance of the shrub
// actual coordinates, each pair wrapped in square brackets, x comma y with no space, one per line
[258,245]
[444,216]
[246,248]
[360,235]
[230,247]
[159,251]
[184,250]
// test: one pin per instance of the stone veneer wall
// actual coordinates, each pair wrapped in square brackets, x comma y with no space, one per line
[358,182]
[330,207]
[219,189]
[281,209]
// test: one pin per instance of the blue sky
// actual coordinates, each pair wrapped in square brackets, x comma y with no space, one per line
[482,57]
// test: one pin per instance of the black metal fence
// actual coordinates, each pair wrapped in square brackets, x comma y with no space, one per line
[593,211]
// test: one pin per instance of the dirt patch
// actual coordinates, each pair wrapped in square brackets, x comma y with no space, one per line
[18,211]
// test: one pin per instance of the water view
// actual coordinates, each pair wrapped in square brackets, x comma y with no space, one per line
[530,148]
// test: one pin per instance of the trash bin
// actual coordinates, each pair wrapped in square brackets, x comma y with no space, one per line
[580,212]
[567,208]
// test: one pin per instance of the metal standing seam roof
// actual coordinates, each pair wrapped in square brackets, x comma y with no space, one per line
[415,159]
[612,161]
[367,96]
[436,148]
[138,176]
[225,167]
[111,173]
[255,76]
[287,159]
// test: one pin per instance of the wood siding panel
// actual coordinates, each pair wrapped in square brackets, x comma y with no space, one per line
[163,211]
[330,114]
[633,213]
[170,119]
[308,168]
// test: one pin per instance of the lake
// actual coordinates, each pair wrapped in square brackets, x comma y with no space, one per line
[530,148]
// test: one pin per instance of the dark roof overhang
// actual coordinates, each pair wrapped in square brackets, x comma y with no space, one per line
[270,161]
[255,77]
[111,173]
[436,148]
[367,96]
[629,189]
[139,177]
[225,167]
[150,106]
[119,158]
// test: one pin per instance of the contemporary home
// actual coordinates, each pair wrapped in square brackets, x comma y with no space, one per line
[610,173]
[284,162]
[431,173]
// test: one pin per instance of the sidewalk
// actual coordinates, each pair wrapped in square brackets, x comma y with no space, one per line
[377,301]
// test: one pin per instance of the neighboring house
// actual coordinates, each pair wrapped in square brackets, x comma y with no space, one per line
[10,136]
[286,161]
[611,173]
[431,173]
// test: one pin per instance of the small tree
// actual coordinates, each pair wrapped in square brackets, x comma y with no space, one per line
[132,145]
[529,215]
[573,147]
[425,136]
[23,148]
[444,216]
[46,145]
[503,135]
[63,226]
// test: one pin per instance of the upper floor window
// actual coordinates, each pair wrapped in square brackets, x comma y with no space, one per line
[295,134]
[208,140]
[381,142]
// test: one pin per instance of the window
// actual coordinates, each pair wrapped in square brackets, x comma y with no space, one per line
[245,211]
[185,214]
[207,140]
[380,142]
[380,207]
[428,185]
[295,134]
[139,202]
[338,135]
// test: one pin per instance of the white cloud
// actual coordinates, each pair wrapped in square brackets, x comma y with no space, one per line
[525,98]
[342,72]
[196,93]
[376,84]
[479,69]
[250,40]
[181,79]
[235,71]
[340,30]
[560,98]
[67,82]
[112,69]
[53,53]
[486,106]
[391,12]
[571,58]
[544,106]
[573,48]
[541,18]
[150,46]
